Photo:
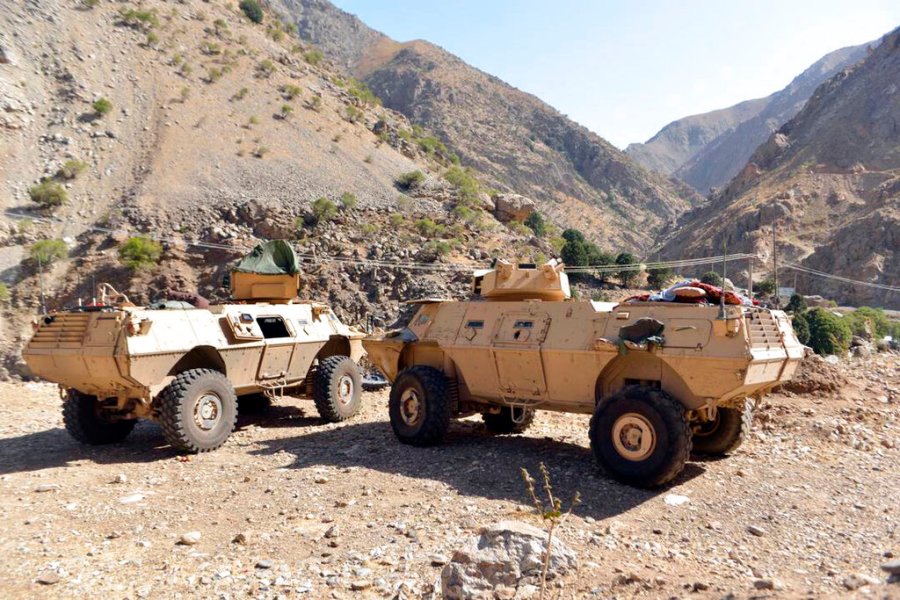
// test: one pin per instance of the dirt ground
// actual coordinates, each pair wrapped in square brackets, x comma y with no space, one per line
[291,507]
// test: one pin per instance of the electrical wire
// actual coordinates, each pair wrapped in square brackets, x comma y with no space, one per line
[824,275]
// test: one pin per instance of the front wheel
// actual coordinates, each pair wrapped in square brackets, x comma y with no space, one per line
[197,411]
[640,436]
[337,388]
[85,421]
[724,434]
[419,406]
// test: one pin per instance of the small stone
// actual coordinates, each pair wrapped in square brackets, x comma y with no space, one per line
[856,581]
[764,584]
[321,479]
[190,538]
[264,564]
[332,532]
[892,567]
[120,478]
[240,538]
[438,560]
[699,586]
[756,530]
[48,578]
[131,498]
[47,487]
[358,586]
[676,500]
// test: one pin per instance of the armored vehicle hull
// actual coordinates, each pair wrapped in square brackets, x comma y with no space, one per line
[507,356]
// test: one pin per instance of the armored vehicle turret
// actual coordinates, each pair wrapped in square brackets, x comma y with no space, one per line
[658,377]
[186,367]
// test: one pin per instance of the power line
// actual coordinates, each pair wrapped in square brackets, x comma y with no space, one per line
[446,267]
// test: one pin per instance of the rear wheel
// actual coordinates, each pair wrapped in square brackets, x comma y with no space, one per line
[509,420]
[640,436]
[419,406]
[337,388]
[85,421]
[197,410]
[724,434]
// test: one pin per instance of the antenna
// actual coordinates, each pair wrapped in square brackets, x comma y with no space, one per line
[41,283]
[722,314]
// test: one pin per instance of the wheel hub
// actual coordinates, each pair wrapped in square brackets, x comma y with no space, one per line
[345,390]
[633,437]
[410,407]
[207,411]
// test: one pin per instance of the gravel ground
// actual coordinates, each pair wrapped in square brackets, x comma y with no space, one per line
[291,507]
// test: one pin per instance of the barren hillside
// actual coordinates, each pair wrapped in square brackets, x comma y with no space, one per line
[523,144]
[828,181]
[220,132]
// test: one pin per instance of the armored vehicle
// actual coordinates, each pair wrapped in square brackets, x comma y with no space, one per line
[185,367]
[657,377]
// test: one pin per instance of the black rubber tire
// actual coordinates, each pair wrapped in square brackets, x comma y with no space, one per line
[327,384]
[502,422]
[176,404]
[432,388]
[724,435]
[84,423]
[666,417]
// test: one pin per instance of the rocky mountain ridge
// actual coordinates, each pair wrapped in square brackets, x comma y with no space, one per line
[524,145]
[707,150]
[828,181]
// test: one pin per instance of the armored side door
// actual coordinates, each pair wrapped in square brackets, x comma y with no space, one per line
[279,335]
[516,349]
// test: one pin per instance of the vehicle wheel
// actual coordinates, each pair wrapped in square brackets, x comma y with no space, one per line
[197,410]
[725,433]
[503,422]
[640,436]
[85,422]
[337,388]
[419,406]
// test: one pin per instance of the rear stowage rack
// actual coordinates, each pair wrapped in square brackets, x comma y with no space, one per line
[763,329]
[61,330]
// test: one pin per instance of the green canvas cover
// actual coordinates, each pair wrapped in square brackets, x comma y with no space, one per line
[270,258]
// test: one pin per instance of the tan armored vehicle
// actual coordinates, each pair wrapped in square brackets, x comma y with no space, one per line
[656,376]
[185,367]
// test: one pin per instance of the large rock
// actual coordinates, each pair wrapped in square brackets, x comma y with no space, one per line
[507,554]
[513,207]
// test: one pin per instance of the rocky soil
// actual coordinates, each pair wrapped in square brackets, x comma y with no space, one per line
[291,507]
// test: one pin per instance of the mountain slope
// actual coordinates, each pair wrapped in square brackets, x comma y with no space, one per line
[220,134]
[828,181]
[707,150]
[520,142]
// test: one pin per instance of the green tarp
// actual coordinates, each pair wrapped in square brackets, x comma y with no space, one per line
[270,258]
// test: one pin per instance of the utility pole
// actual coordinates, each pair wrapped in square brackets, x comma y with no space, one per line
[750,277]
[41,283]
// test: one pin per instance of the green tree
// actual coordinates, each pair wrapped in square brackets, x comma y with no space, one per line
[410,179]
[536,223]
[573,235]
[797,304]
[465,183]
[712,278]
[348,200]
[252,9]
[627,276]
[657,278]
[801,328]
[140,252]
[324,210]
[47,252]
[828,333]
[866,319]
[48,194]
[765,287]
[574,254]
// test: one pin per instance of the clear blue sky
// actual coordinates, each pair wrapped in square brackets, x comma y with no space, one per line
[626,69]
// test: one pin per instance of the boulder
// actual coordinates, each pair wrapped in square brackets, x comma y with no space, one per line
[507,554]
[513,207]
